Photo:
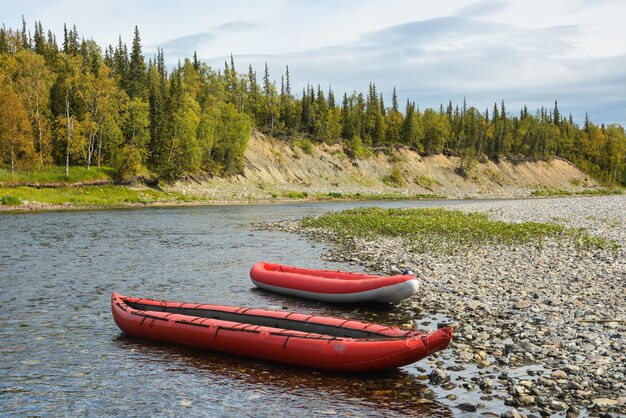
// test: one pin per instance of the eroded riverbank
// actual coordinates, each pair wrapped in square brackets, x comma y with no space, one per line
[540,327]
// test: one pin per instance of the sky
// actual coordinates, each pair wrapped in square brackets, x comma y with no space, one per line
[525,52]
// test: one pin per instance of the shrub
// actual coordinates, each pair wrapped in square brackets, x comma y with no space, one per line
[425,182]
[11,200]
[395,178]
[305,145]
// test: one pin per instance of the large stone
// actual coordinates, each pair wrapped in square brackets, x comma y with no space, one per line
[512,413]
[571,369]
[468,406]
[526,400]
[605,402]
[522,304]
[558,406]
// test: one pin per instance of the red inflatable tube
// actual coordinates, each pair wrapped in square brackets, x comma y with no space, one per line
[291,338]
[332,286]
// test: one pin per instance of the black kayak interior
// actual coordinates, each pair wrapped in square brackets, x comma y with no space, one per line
[265,321]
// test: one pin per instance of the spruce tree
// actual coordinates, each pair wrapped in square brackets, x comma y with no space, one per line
[196,63]
[24,36]
[556,114]
[136,86]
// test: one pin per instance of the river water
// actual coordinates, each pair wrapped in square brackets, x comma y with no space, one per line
[61,354]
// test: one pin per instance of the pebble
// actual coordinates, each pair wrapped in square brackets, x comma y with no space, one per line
[438,376]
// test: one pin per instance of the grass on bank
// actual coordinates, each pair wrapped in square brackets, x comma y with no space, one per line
[549,192]
[291,194]
[89,196]
[382,196]
[444,230]
[57,175]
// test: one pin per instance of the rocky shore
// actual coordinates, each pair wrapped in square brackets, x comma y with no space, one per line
[540,329]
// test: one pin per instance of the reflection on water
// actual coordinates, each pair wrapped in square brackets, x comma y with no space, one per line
[61,353]
[391,392]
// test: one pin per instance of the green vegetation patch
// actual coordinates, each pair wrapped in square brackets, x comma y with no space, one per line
[93,196]
[291,194]
[548,191]
[426,182]
[10,200]
[442,229]
[305,145]
[395,178]
[376,197]
[56,174]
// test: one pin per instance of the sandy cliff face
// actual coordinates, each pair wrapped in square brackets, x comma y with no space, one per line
[274,168]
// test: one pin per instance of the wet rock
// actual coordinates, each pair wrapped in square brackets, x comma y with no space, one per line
[448,386]
[572,411]
[485,384]
[558,406]
[428,394]
[438,376]
[468,406]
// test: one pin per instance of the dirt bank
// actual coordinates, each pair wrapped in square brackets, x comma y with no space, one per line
[275,168]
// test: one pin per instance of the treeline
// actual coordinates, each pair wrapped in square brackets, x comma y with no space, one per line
[74,104]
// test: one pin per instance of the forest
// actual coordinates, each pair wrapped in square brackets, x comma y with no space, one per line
[73,103]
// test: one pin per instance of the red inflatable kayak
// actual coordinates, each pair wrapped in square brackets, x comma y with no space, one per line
[292,338]
[332,286]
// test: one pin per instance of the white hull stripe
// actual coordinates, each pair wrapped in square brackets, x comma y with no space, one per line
[386,294]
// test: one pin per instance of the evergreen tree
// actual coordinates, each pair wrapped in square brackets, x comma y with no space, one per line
[24,36]
[556,114]
[394,100]
[136,85]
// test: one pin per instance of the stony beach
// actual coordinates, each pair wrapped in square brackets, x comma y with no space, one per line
[540,328]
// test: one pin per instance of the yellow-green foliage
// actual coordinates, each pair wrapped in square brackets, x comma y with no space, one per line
[92,196]
[305,145]
[57,175]
[395,177]
[10,200]
[426,182]
[291,194]
[356,148]
[549,191]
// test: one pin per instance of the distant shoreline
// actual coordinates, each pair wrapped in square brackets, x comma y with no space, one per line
[37,207]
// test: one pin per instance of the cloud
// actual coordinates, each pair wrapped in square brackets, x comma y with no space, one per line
[481,9]
[237,25]
[179,48]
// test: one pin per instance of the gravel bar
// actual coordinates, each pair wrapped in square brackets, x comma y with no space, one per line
[543,325]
